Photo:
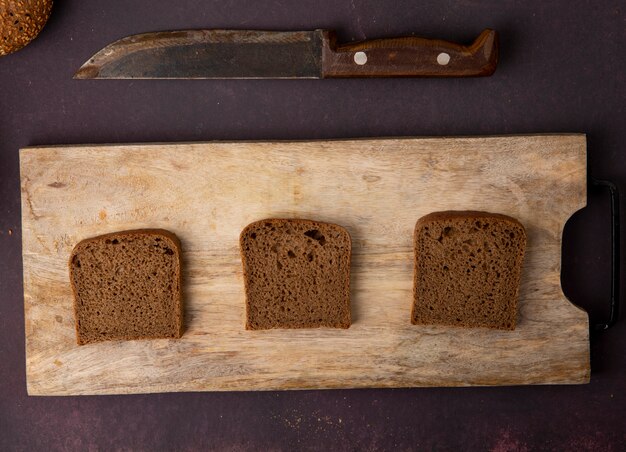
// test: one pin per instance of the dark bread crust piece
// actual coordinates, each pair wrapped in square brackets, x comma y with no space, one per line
[127,285]
[296,273]
[467,269]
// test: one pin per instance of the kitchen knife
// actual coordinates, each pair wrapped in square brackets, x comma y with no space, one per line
[200,54]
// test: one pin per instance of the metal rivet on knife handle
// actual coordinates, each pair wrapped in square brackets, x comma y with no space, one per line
[360,58]
[443,58]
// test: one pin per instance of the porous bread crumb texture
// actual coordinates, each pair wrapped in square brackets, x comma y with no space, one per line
[467,269]
[127,285]
[20,22]
[297,274]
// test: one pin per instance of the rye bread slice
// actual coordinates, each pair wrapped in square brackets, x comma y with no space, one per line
[296,273]
[127,285]
[467,269]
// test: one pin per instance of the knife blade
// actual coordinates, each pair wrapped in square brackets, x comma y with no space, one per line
[251,54]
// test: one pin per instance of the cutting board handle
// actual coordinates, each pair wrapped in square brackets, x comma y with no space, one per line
[615,255]
[409,57]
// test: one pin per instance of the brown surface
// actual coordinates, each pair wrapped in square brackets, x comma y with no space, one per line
[468,267]
[127,285]
[72,192]
[296,274]
[561,70]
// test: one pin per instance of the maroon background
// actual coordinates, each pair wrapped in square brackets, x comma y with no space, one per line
[562,69]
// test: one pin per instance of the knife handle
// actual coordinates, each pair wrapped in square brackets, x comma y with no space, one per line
[409,57]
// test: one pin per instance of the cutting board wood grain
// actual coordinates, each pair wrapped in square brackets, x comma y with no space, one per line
[376,188]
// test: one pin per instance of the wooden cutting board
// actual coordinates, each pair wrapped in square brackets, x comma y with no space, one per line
[207,192]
